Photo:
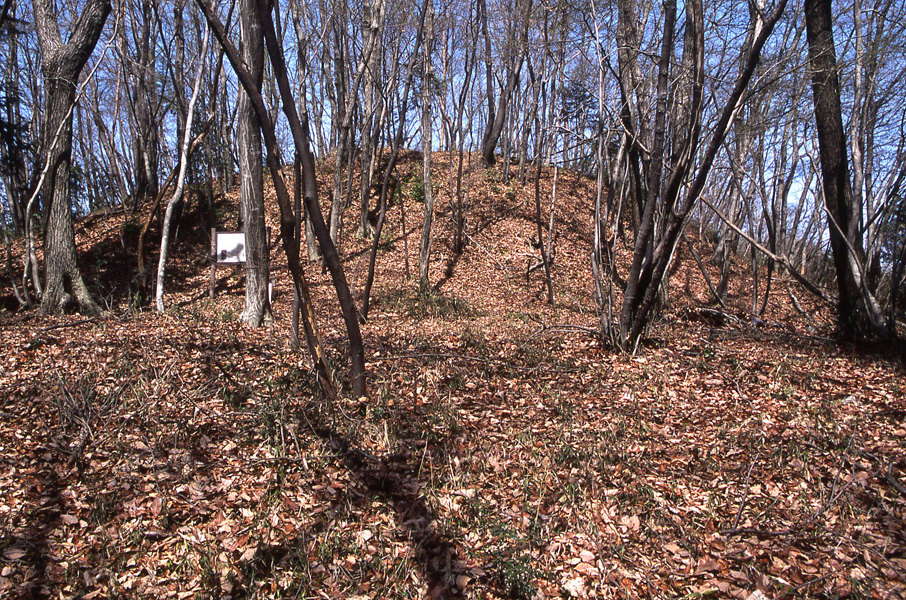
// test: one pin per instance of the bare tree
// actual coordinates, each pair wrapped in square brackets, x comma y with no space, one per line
[107,137]
[61,64]
[370,120]
[180,179]
[14,143]
[518,37]
[457,92]
[424,247]
[644,235]
[251,182]
[302,145]
[873,72]
[297,10]
[145,100]
[857,309]
[347,99]
[394,155]
[672,198]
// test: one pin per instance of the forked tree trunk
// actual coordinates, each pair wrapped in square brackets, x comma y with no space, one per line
[636,285]
[677,210]
[498,118]
[61,66]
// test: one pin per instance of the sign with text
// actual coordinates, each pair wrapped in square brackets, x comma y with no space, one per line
[230,247]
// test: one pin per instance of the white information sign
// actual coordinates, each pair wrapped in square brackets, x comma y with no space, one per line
[230,247]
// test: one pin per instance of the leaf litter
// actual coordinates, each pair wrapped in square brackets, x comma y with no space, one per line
[503,452]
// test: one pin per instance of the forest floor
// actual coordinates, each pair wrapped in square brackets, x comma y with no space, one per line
[503,450]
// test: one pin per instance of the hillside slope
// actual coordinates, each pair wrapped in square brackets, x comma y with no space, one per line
[503,451]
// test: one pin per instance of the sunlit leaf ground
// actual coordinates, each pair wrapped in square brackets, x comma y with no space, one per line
[503,450]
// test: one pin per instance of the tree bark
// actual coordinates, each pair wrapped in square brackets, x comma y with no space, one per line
[251,182]
[424,247]
[497,119]
[854,318]
[391,162]
[61,66]
[302,143]
[180,180]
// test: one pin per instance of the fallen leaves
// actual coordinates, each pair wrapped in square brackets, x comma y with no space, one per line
[493,459]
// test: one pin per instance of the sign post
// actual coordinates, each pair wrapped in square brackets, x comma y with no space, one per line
[228,248]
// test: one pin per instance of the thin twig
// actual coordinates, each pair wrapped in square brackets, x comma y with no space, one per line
[745,496]
[704,272]
[759,532]
[73,324]
[832,498]
[483,249]
[467,357]
[301,459]
[807,584]
[554,328]
[892,480]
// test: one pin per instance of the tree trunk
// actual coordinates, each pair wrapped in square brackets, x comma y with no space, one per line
[302,143]
[369,133]
[302,65]
[497,119]
[342,127]
[251,187]
[633,106]
[482,13]
[391,162]
[144,90]
[424,247]
[61,66]
[854,318]
[635,286]
[178,66]
[185,145]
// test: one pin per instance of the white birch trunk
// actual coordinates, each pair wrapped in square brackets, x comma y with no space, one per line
[181,178]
